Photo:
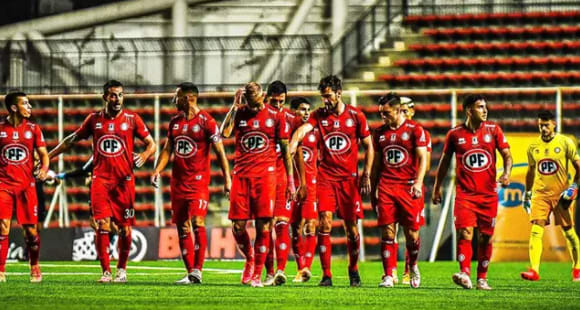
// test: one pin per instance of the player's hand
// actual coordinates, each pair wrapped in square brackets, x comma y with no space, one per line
[42,175]
[528,202]
[301,193]
[155,180]
[416,190]
[227,186]
[571,192]
[238,102]
[436,196]
[365,184]
[504,180]
[290,188]
[139,159]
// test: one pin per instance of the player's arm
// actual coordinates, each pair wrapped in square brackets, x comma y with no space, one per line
[228,124]
[572,154]
[298,136]
[440,177]
[84,171]
[365,184]
[162,161]
[417,187]
[291,189]
[504,179]
[530,176]
[64,145]
[218,148]
[375,174]
[300,166]
[142,157]
[44,162]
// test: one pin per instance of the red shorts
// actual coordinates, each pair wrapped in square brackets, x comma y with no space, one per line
[184,207]
[306,209]
[396,205]
[113,199]
[282,207]
[476,212]
[252,197]
[24,201]
[340,196]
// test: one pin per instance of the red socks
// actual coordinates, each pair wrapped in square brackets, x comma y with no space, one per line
[186,246]
[103,249]
[353,249]
[389,256]
[464,254]
[123,247]
[325,251]
[309,247]
[261,251]
[282,244]
[269,264]
[200,246]
[33,245]
[4,245]
[413,251]
[243,241]
[483,258]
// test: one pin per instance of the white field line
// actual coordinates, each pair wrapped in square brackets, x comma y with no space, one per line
[93,273]
[133,268]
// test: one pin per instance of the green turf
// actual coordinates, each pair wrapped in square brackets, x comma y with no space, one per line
[74,287]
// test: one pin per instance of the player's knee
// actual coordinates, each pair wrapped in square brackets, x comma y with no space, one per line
[465,234]
[4,227]
[566,228]
[539,222]
[483,238]
[239,226]
[125,231]
[30,230]
[411,234]
[388,233]
[198,221]
[310,227]
[351,230]
[104,225]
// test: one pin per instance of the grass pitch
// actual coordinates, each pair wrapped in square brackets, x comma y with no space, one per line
[69,285]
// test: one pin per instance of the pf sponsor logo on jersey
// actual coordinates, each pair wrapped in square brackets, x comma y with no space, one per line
[547,166]
[185,147]
[254,142]
[337,142]
[14,154]
[110,146]
[395,156]
[477,160]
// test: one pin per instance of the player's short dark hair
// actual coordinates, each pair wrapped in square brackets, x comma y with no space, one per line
[276,87]
[296,102]
[331,81]
[109,84]
[546,115]
[392,99]
[12,99]
[188,87]
[471,99]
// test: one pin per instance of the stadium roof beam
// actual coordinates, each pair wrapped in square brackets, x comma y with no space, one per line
[91,17]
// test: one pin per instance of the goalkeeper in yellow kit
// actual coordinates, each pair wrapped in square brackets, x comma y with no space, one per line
[548,190]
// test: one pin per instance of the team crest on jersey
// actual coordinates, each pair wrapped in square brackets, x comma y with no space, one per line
[28,135]
[124,126]
[336,124]
[393,137]
[487,138]
[474,141]
[254,142]
[184,147]
[546,152]
[14,154]
[3,134]
[307,154]
[184,129]
[324,122]
[256,124]
[270,122]
[557,150]
[395,156]
[405,136]
[337,142]
[15,135]
[548,166]
[111,127]
[477,160]
[461,141]
[243,124]
[110,146]
[349,123]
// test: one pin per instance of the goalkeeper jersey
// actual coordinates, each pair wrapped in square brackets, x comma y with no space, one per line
[553,164]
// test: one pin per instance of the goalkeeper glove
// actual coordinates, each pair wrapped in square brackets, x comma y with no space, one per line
[528,202]
[571,192]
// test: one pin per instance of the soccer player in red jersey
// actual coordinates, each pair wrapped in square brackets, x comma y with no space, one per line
[341,127]
[191,133]
[276,97]
[408,110]
[258,128]
[113,188]
[397,185]
[19,139]
[474,143]
[304,210]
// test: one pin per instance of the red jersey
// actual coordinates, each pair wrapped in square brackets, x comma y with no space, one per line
[256,138]
[397,148]
[429,142]
[17,157]
[113,142]
[191,141]
[289,121]
[340,135]
[475,154]
[310,146]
